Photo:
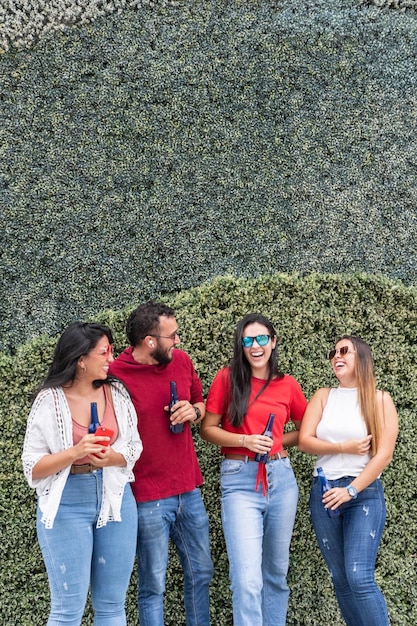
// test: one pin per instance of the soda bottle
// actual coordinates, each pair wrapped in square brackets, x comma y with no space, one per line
[94,424]
[173,399]
[325,486]
[263,458]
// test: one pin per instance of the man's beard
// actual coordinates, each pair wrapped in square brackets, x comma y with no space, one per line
[162,356]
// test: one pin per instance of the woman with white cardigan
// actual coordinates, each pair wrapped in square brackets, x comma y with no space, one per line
[86,516]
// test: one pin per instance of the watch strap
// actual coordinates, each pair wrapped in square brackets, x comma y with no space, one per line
[352,491]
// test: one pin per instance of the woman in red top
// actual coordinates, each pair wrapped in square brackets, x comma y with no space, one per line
[259,500]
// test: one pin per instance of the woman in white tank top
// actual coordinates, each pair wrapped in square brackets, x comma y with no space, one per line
[352,429]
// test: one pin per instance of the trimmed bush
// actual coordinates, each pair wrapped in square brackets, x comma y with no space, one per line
[309,312]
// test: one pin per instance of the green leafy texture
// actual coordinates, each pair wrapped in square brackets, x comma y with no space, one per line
[309,313]
[152,150]
[402,5]
[21,26]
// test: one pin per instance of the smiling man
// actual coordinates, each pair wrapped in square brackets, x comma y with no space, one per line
[167,476]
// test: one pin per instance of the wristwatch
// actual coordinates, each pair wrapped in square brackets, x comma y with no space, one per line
[197,413]
[352,492]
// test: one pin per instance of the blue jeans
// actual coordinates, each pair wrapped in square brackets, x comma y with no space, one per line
[77,554]
[182,518]
[349,545]
[258,532]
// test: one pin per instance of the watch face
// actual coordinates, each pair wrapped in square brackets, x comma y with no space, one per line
[352,491]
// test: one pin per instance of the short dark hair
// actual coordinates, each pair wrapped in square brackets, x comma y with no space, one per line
[144,320]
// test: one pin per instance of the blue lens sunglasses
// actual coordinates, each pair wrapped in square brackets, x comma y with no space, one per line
[261,340]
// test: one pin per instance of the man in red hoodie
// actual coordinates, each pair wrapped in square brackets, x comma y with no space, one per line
[167,475]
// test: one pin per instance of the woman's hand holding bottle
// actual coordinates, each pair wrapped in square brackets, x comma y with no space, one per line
[256,443]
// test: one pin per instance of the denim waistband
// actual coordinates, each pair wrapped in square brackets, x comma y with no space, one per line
[272,457]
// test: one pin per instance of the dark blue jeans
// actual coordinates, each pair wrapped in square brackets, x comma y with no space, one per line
[349,545]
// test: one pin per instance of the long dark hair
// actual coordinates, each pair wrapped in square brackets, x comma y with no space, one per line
[78,339]
[240,370]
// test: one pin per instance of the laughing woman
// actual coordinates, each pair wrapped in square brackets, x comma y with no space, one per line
[259,501]
[352,429]
[86,519]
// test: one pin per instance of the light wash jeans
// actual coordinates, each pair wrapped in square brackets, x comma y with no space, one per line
[349,545]
[182,518]
[77,554]
[258,532]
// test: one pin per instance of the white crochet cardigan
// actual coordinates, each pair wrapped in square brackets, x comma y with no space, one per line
[49,430]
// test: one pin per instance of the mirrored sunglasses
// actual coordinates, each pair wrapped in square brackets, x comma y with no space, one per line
[261,340]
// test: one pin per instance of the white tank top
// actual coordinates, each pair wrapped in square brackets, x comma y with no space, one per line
[341,420]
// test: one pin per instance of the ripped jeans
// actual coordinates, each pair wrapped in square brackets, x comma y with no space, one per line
[258,531]
[78,555]
[349,545]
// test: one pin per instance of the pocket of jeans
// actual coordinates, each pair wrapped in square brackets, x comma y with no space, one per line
[230,467]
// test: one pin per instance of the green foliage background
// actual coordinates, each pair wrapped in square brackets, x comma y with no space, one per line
[152,150]
[148,151]
[309,314]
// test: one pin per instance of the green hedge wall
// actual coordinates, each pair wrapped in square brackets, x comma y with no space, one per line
[22,26]
[152,150]
[310,312]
